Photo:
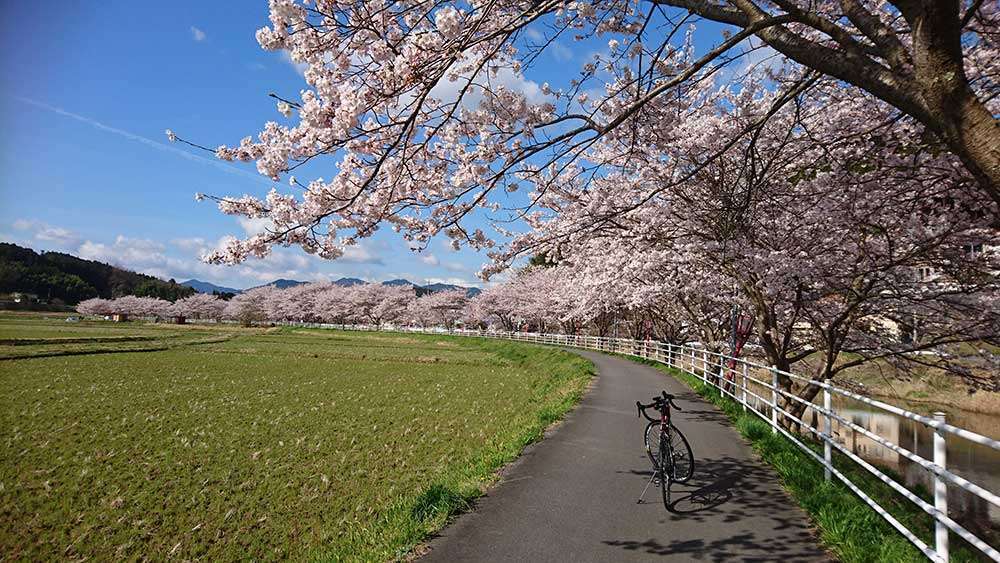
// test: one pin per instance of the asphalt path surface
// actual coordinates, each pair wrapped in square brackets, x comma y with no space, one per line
[572,496]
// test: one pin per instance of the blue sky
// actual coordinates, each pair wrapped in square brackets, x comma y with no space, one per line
[90,89]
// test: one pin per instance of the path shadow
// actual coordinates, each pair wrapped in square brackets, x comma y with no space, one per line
[703,498]
[746,517]
[747,546]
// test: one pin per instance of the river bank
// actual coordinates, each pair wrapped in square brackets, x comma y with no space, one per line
[924,393]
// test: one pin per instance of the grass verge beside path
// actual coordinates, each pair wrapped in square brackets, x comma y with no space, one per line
[413,519]
[846,525]
[290,443]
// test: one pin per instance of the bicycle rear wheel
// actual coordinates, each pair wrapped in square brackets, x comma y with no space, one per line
[682,466]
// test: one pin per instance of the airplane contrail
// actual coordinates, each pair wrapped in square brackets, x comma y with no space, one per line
[145,140]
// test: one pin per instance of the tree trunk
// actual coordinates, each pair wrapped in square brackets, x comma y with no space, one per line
[956,113]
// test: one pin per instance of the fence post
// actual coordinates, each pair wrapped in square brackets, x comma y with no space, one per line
[774,400]
[940,489]
[827,433]
[744,387]
[720,376]
[723,369]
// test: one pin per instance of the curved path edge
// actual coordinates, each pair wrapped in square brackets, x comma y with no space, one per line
[572,496]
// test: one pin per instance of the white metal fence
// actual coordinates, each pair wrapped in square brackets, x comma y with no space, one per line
[742,381]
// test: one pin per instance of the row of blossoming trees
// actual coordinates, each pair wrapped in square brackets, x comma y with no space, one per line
[370,304]
[800,161]
[701,305]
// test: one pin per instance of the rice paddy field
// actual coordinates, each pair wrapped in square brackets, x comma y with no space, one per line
[146,441]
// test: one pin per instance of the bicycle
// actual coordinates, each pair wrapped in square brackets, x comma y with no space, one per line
[666,446]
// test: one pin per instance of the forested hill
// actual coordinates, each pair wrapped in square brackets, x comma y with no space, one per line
[54,275]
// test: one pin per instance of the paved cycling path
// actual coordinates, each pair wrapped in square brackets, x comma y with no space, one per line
[572,497]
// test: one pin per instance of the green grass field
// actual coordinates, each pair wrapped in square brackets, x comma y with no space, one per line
[230,443]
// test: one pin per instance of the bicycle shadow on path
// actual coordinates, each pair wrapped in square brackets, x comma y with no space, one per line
[729,490]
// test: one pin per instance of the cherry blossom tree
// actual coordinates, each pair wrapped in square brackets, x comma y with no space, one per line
[495,305]
[249,307]
[333,304]
[798,224]
[934,61]
[418,110]
[376,303]
[95,307]
[666,180]
[199,306]
[444,308]
[296,303]
[418,313]
[141,306]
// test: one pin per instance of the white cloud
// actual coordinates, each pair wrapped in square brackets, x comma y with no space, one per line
[138,244]
[195,244]
[197,34]
[445,244]
[299,67]
[47,234]
[253,226]
[534,34]
[281,259]
[146,141]
[448,91]
[154,258]
[452,281]
[752,56]
[430,260]
[148,257]
[560,52]
[128,252]
[454,267]
[360,253]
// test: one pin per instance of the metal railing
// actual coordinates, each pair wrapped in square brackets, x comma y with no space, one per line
[735,378]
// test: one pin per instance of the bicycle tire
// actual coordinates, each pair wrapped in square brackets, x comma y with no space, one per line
[665,471]
[651,438]
[682,458]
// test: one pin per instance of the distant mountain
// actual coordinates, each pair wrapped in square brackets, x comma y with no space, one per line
[285,284]
[399,282]
[470,291]
[55,275]
[431,288]
[348,282]
[343,282]
[280,283]
[208,287]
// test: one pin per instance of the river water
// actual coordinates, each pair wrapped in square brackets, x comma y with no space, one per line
[976,463]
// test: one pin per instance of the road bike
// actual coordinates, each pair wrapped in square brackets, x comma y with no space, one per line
[666,446]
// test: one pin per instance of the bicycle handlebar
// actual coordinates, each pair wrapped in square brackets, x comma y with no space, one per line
[659,403]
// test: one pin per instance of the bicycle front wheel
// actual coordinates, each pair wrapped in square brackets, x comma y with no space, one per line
[682,465]
[652,440]
[665,471]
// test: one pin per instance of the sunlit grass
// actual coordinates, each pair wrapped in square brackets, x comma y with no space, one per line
[292,443]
